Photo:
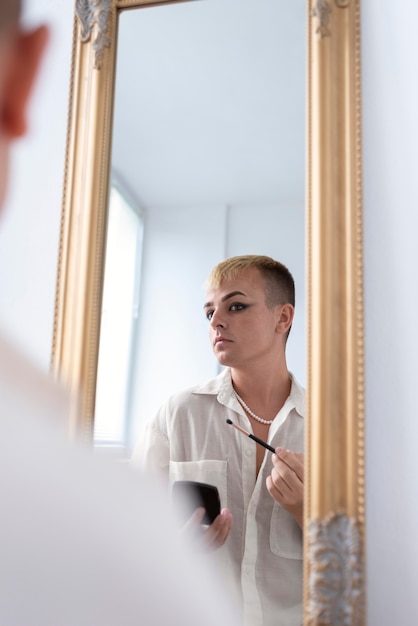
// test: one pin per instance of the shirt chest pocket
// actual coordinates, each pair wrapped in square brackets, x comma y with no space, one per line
[286,538]
[212,472]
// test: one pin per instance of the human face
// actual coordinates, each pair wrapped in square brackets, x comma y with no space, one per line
[242,329]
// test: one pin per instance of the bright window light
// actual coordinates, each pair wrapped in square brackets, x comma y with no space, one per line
[119,314]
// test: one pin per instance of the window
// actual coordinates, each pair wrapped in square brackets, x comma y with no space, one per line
[119,315]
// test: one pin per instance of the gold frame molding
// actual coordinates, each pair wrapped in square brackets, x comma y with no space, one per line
[334,515]
[334,588]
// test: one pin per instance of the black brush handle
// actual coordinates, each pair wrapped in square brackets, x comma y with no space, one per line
[262,443]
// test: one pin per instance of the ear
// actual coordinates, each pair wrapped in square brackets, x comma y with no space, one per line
[285,315]
[22,69]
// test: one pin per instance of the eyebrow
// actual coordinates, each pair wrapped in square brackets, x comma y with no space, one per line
[226,297]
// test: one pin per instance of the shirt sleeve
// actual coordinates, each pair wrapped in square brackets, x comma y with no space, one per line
[152,449]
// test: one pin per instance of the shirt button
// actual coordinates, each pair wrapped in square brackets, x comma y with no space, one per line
[249,452]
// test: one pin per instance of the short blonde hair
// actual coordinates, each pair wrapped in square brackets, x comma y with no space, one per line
[279,283]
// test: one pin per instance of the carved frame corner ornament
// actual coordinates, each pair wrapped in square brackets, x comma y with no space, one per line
[336,580]
[91,14]
[322,11]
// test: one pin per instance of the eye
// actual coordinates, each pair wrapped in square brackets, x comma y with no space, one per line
[209,315]
[237,306]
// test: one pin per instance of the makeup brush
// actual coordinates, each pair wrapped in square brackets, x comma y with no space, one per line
[251,436]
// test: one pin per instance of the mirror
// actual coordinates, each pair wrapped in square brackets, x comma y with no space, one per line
[334,452]
[211,143]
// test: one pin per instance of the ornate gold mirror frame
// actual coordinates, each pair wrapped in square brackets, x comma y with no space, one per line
[334,512]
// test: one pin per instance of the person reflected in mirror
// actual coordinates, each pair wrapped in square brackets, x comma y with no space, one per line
[257,538]
[77,546]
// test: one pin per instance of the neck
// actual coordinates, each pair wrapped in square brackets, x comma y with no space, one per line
[265,395]
[261,383]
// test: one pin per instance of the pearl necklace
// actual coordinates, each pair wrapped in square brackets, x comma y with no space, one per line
[247,408]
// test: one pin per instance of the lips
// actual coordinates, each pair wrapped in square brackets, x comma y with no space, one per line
[221,340]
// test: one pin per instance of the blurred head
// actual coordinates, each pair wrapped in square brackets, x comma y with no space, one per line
[20,55]
[9,12]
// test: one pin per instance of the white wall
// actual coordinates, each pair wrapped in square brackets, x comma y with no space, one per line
[390,99]
[28,249]
[29,231]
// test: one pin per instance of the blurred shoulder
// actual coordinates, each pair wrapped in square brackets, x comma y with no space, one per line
[26,390]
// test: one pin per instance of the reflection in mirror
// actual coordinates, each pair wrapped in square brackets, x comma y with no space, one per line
[120,306]
[209,134]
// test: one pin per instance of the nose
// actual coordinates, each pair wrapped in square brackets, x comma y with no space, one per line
[217,320]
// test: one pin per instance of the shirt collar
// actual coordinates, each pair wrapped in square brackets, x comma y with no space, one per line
[221,386]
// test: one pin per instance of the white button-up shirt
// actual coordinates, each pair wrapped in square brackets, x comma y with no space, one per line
[189,440]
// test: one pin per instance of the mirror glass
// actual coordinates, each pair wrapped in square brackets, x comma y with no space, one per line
[120,305]
[209,141]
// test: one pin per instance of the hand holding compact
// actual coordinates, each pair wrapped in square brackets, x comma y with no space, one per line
[208,538]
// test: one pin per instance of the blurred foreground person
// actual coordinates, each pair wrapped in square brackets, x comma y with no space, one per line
[78,548]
